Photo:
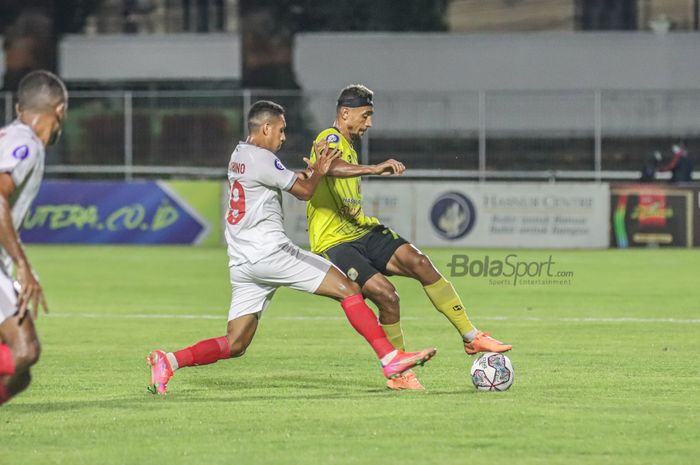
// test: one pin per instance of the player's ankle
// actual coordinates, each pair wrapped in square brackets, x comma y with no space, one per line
[469,337]
[389,357]
[172,360]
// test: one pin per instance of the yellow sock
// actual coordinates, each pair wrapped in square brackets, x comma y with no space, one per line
[443,296]
[395,335]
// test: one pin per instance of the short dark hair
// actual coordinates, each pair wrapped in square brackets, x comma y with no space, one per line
[353,95]
[261,111]
[40,91]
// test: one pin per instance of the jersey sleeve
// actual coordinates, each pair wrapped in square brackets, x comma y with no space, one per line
[274,174]
[332,136]
[18,158]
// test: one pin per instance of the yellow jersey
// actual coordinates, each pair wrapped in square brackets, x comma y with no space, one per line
[334,214]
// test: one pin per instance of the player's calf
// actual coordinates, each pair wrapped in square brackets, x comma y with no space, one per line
[25,354]
[20,337]
[13,385]
[379,290]
[19,382]
[237,349]
[4,394]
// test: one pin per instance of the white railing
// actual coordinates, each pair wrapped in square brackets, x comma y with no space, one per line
[544,135]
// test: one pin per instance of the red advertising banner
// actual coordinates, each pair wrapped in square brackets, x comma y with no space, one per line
[654,215]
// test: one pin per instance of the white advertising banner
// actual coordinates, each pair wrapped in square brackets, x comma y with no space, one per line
[473,214]
[536,215]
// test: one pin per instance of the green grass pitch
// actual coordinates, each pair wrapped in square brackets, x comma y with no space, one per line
[606,368]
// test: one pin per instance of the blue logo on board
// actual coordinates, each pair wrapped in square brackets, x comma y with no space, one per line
[453,215]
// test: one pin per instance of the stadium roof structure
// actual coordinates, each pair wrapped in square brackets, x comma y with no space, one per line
[512,61]
[151,57]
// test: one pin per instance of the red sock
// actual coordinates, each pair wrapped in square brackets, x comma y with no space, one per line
[4,395]
[365,322]
[204,352]
[7,363]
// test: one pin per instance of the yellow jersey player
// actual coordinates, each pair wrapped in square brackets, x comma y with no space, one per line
[368,251]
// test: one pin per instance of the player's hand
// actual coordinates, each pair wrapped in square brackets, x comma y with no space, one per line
[309,167]
[318,147]
[31,295]
[390,167]
[325,156]
[309,171]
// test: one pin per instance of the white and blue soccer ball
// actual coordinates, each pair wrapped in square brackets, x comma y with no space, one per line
[492,372]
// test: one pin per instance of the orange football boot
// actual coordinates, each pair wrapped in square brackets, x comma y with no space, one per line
[408,381]
[483,342]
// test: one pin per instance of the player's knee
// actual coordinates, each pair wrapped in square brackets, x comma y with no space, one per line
[421,262]
[385,297]
[422,269]
[352,287]
[27,355]
[347,288]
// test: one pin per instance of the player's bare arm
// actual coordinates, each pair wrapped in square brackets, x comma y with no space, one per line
[343,169]
[31,292]
[303,189]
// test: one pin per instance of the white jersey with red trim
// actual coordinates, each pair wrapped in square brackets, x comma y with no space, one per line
[22,156]
[254,220]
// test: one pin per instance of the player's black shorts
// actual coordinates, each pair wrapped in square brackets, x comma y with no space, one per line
[364,257]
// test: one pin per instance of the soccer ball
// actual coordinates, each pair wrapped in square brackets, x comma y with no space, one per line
[492,372]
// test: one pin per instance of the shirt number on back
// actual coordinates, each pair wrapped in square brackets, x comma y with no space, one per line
[236,205]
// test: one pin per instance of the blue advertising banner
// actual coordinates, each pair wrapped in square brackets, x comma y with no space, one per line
[109,212]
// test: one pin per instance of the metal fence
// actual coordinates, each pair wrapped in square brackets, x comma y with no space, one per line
[480,135]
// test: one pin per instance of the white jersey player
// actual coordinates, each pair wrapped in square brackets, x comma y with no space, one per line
[257,243]
[22,157]
[262,258]
[254,220]
[41,109]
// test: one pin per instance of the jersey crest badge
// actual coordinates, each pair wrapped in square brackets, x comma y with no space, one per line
[279,165]
[21,152]
[332,138]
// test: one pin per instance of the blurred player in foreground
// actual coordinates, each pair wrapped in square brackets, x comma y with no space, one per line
[366,250]
[262,258]
[41,109]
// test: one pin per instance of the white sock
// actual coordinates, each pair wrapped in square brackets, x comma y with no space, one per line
[469,337]
[387,358]
[172,360]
